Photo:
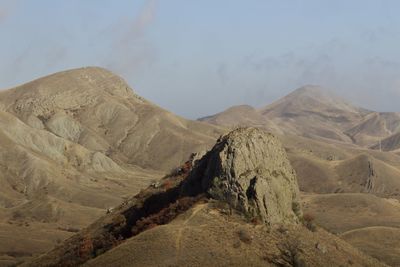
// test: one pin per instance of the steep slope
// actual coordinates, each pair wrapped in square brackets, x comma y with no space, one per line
[237,205]
[76,143]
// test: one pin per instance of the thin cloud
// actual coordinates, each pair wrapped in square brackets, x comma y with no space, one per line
[131,50]
[6,9]
[4,13]
[222,73]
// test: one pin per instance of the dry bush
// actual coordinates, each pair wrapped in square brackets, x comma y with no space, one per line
[290,254]
[175,172]
[164,216]
[308,221]
[245,236]
[168,184]
[85,247]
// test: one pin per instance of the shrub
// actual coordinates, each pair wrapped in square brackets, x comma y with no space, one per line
[85,247]
[168,184]
[308,221]
[245,236]
[291,252]
[164,216]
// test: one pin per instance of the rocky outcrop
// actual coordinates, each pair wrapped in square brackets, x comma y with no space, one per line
[248,168]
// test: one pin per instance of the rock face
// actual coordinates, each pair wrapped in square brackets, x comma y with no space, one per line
[248,168]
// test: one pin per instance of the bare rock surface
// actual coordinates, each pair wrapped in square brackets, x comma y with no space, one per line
[249,169]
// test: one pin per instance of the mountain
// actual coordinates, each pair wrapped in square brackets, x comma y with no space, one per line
[238,205]
[327,141]
[310,111]
[99,111]
[313,112]
[74,144]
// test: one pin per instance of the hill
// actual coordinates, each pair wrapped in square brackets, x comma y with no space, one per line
[314,112]
[237,205]
[391,143]
[98,110]
[74,144]
[328,141]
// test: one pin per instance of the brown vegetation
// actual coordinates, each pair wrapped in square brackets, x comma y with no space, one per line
[308,221]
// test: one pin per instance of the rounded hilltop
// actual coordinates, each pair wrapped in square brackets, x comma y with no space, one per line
[70,89]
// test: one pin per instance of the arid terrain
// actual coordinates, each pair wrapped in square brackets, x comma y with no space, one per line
[89,174]
[348,170]
[75,144]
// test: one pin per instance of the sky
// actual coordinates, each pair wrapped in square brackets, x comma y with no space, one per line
[198,57]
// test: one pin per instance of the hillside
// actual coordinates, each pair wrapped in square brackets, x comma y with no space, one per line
[98,110]
[237,205]
[391,143]
[328,141]
[74,144]
[350,190]
[314,112]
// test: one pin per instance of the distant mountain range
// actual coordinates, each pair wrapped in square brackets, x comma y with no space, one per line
[313,112]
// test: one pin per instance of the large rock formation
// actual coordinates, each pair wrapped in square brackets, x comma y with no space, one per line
[248,168]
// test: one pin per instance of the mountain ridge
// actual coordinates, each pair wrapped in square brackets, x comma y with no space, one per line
[315,112]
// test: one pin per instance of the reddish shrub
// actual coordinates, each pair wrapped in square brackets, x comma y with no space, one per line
[167,184]
[164,216]
[308,217]
[86,247]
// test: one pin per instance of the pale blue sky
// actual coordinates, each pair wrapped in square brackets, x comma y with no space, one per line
[197,57]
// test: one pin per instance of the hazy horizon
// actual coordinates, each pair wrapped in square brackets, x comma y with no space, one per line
[199,58]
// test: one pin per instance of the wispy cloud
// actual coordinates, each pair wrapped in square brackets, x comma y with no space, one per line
[222,73]
[3,14]
[5,11]
[131,50]
[7,8]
